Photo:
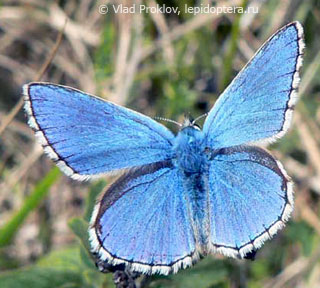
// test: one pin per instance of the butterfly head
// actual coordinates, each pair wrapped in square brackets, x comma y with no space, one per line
[189,146]
[189,121]
[190,130]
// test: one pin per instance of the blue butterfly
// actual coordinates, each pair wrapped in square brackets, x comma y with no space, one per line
[180,196]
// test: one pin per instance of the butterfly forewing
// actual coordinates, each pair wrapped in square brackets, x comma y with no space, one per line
[257,105]
[88,136]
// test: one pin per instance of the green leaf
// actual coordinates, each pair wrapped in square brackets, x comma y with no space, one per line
[86,258]
[67,258]
[98,279]
[72,260]
[94,192]
[40,278]
[62,268]
[104,55]
[229,57]
[206,273]
[80,228]
[302,233]
[30,203]
[259,269]
[58,269]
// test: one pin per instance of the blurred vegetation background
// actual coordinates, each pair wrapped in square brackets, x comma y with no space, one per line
[161,65]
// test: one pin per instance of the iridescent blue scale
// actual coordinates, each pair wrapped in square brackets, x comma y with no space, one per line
[179,197]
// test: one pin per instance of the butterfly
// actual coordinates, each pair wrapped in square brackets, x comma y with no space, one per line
[179,197]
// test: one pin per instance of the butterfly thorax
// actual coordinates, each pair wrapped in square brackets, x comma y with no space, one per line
[188,150]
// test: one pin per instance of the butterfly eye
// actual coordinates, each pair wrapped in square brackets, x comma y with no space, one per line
[196,126]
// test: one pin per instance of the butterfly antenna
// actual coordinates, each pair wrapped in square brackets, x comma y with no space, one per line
[199,117]
[167,120]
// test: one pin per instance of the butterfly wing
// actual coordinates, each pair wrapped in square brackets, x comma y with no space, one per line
[258,103]
[142,221]
[86,135]
[251,198]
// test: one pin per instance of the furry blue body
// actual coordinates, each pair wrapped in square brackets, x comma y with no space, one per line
[191,160]
[189,150]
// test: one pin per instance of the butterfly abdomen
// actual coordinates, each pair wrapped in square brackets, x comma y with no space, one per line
[195,185]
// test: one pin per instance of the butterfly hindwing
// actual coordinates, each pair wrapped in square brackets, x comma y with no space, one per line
[143,221]
[258,103]
[251,198]
[86,135]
